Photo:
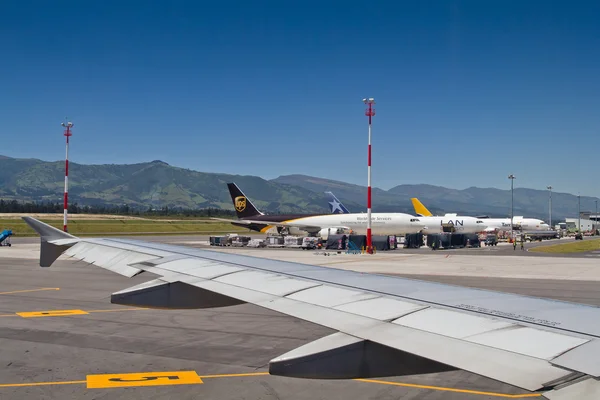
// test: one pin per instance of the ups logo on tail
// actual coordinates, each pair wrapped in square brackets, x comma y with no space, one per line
[240,203]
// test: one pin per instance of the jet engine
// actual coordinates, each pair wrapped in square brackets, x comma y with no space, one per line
[325,232]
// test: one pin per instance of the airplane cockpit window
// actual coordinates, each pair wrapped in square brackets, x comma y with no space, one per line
[479,222]
[414,220]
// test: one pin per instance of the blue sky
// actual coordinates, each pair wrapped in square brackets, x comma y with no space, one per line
[467,91]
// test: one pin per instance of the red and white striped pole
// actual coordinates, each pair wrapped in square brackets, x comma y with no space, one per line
[68,134]
[370,112]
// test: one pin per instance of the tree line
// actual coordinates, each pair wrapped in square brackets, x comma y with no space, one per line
[47,207]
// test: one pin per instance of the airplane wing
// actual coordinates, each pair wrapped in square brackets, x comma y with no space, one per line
[386,326]
[310,228]
[237,221]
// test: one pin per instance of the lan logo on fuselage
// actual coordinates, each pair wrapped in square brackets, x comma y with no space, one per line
[240,203]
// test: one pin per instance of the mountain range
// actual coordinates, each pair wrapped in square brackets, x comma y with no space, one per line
[157,184]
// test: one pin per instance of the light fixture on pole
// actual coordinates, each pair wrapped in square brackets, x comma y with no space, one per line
[512,200]
[550,206]
[596,219]
[578,213]
[370,112]
[68,134]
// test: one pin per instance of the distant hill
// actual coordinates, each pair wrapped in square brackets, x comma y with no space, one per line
[157,184]
[153,184]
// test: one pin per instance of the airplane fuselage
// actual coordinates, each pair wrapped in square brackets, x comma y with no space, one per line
[459,223]
[381,223]
[525,224]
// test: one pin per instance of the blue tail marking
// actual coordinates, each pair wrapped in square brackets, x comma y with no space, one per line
[335,206]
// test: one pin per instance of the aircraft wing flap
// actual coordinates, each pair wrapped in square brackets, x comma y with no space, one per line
[585,389]
[328,296]
[243,294]
[516,369]
[277,285]
[381,308]
[206,269]
[529,341]
[108,257]
[584,358]
[450,323]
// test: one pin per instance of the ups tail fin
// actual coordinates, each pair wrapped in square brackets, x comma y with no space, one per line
[53,241]
[420,209]
[243,206]
[336,206]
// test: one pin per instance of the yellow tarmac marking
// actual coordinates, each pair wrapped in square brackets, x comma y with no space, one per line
[40,384]
[118,309]
[102,381]
[50,313]
[143,379]
[446,389]
[64,313]
[234,375]
[30,290]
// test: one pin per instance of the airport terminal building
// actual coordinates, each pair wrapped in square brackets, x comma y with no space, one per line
[588,222]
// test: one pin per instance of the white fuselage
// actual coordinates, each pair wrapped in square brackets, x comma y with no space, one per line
[382,223]
[524,224]
[460,224]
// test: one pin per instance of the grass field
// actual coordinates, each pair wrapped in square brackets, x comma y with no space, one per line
[578,246]
[108,227]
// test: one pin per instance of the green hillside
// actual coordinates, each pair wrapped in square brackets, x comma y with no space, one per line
[157,184]
[154,184]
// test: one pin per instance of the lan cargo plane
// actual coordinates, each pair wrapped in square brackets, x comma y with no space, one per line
[432,224]
[493,224]
[382,223]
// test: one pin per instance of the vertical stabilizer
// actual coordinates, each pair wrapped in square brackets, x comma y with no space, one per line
[336,206]
[243,206]
[420,209]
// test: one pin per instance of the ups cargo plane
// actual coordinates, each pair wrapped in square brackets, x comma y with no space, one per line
[317,224]
[383,325]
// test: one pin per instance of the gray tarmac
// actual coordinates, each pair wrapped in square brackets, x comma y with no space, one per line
[63,352]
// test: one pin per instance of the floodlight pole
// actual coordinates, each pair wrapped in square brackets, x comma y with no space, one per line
[579,213]
[512,200]
[370,112]
[67,126]
[550,206]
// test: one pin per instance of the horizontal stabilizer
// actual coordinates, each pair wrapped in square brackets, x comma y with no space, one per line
[171,295]
[341,356]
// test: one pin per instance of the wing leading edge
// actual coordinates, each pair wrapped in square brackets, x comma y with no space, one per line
[386,325]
